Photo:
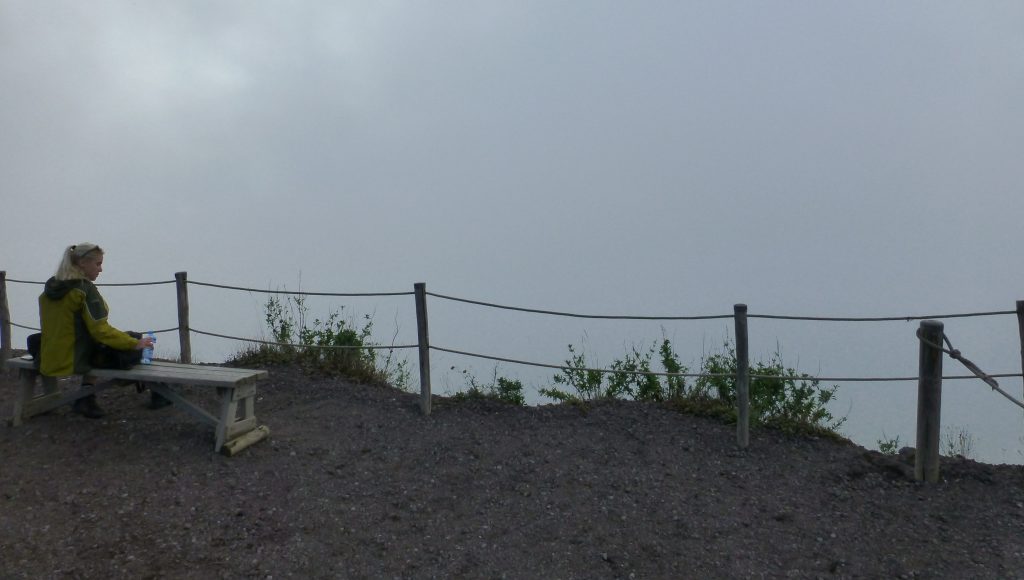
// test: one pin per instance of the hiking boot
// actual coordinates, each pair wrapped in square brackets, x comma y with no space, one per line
[158,401]
[87,407]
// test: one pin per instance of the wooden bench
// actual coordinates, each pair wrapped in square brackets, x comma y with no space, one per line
[234,425]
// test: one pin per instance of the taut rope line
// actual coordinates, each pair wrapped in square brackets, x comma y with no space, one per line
[955,354]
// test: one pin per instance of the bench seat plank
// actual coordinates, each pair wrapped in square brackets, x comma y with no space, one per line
[168,372]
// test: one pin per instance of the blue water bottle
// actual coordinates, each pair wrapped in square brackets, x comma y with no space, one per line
[147,353]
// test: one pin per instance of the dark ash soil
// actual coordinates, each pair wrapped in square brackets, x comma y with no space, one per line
[355,483]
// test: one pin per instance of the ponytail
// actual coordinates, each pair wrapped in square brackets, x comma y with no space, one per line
[69,269]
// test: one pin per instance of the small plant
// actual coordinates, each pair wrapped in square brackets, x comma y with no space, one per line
[889,446]
[331,345]
[586,383]
[631,377]
[958,442]
[394,369]
[675,385]
[499,389]
[779,396]
[510,391]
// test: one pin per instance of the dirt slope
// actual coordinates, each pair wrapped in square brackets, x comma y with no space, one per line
[355,483]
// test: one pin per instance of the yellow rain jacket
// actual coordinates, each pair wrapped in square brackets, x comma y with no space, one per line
[73,317]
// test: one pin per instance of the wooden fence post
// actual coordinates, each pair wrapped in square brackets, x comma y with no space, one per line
[5,320]
[1020,328]
[742,377]
[184,334]
[420,290]
[929,402]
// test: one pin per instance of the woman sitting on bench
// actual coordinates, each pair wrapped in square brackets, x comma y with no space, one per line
[76,336]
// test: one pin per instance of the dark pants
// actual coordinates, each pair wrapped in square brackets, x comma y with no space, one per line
[105,357]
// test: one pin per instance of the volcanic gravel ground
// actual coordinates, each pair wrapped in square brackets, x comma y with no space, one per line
[354,482]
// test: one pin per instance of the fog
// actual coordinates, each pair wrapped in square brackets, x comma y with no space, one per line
[655,158]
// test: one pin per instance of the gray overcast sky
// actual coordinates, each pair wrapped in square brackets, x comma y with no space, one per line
[819,158]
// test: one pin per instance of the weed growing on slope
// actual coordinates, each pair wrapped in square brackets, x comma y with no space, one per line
[958,442]
[502,389]
[333,345]
[889,446]
[631,377]
[780,397]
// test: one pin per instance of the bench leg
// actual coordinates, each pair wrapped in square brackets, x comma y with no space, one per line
[26,390]
[235,433]
[27,403]
[228,411]
[242,441]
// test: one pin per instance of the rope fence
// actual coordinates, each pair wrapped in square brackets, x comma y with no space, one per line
[585,369]
[721,316]
[35,329]
[157,283]
[298,293]
[978,373]
[699,375]
[573,315]
[882,318]
[930,341]
[905,318]
[567,368]
[308,346]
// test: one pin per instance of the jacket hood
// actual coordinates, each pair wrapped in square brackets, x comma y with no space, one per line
[56,289]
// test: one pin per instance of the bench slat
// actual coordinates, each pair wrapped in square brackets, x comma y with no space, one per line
[159,371]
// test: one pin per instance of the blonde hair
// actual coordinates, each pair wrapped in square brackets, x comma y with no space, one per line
[73,256]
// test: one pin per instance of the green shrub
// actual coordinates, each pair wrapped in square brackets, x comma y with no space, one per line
[675,386]
[586,383]
[889,446]
[330,346]
[779,396]
[501,389]
[630,378]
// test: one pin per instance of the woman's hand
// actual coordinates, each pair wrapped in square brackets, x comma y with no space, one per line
[144,342]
